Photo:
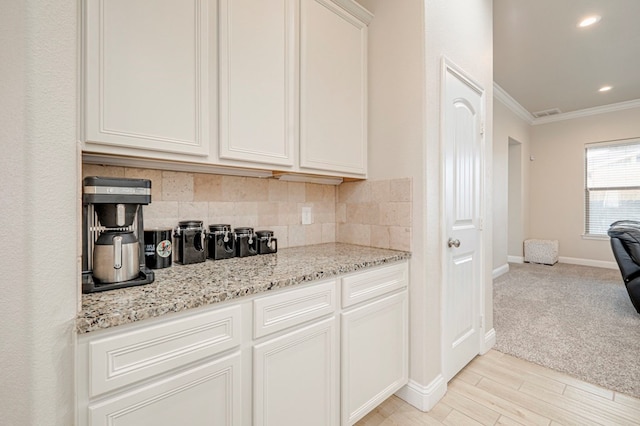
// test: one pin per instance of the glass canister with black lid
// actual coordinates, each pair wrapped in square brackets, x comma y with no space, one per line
[266,242]
[190,242]
[221,242]
[246,243]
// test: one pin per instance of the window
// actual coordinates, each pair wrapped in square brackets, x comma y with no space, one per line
[612,184]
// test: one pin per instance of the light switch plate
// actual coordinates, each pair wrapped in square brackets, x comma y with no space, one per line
[307,218]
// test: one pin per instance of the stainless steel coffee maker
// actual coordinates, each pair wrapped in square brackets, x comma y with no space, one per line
[113,233]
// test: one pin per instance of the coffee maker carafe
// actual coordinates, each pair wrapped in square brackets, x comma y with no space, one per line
[113,237]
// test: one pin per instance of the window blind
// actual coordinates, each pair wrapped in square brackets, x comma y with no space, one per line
[612,184]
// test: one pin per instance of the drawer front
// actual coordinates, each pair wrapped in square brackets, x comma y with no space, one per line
[281,311]
[366,285]
[126,358]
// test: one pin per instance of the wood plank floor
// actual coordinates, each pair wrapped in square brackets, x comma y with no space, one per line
[498,389]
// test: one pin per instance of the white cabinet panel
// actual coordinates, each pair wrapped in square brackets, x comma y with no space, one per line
[295,378]
[124,358]
[147,75]
[366,285]
[294,307]
[203,396]
[257,80]
[374,355]
[333,89]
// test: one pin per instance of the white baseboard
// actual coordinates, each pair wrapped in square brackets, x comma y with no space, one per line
[515,259]
[500,270]
[424,398]
[489,341]
[588,262]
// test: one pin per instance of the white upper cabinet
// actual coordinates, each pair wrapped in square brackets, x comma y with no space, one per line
[147,75]
[279,85]
[333,86]
[257,80]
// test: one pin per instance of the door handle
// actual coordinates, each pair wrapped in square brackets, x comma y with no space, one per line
[453,243]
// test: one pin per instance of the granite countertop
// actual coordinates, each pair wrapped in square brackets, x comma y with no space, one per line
[183,287]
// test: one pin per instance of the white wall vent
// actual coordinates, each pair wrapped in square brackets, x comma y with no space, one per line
[547,112]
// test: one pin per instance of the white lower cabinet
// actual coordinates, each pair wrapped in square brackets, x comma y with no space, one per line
[296,378]
[202,396]
[320,354]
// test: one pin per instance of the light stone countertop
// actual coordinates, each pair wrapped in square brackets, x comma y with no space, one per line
[183,287]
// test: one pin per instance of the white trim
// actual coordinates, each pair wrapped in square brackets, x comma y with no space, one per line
[424,398]
[588,262]
[489,341]
[501,95]
[588,112]
[515,259]
[500,270]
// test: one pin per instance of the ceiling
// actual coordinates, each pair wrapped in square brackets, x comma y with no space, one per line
[544,61]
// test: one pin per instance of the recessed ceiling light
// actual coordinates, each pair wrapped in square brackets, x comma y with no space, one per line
[590,20]
[605,88]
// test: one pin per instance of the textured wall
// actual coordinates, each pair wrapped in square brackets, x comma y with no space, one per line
[38,211]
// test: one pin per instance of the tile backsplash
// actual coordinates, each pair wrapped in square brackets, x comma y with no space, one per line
[370,213]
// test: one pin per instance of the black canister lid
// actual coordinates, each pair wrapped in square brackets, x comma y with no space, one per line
[245,230]
[264,233]
[220,227]
[187,224]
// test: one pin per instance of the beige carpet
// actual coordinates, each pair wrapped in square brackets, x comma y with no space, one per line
[574,319]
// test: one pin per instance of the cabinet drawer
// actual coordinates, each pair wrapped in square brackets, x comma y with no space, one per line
[124,358]
[281,311]
[367,285]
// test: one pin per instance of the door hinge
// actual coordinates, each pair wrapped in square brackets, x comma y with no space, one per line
[480,223]
[482,130]
[482,322]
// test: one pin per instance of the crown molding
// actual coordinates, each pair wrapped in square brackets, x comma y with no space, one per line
[620,106]
[501,95]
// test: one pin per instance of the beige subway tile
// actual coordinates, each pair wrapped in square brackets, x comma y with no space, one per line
[296,192]
[243,221]
[400,238]
[194,211]
[155,176]
[257,189]
[395,214]
[234,188]
[207,187]
[328,232]
[177,186]
[278,190]
[245,208]
[297,234]
[288,214]
[268,213]
[314,192]
[329,194]
[161,214]
[354,192]
[280,233]
[341,213]
[353,233]
[400,189]
[380,236]
[380,191]
[312,234]
[101,171]
[363,213]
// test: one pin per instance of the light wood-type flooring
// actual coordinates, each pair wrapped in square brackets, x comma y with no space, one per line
[498,389]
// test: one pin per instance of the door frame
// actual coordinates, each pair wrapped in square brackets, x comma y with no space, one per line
[448,66]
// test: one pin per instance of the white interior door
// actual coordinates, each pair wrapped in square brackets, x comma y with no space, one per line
[462,242]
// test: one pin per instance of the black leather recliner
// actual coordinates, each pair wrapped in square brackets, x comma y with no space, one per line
[625,243]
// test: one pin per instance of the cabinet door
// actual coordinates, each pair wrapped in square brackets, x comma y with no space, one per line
[333,89]
[257,83]
[295,378]
[147,75]
[203,396]
[374,355]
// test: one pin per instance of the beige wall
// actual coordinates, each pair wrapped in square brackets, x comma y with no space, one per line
[511,142]
[557,179]
[38,170]
[407,42]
